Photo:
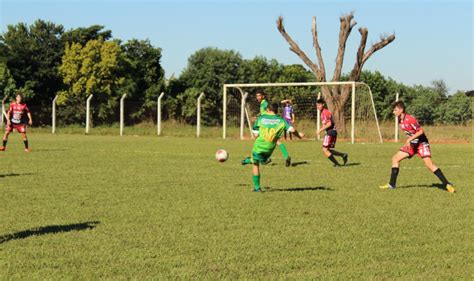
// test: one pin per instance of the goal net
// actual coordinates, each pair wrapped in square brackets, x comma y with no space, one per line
[240,108]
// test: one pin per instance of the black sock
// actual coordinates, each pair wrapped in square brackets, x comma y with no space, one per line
[26,144]
[333,160]
[337,153]
[393,176]
[5,143]
[440,176]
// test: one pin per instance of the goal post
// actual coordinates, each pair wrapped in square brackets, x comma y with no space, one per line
[238,103]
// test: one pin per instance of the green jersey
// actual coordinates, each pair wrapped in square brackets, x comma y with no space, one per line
[270,127]
[263,106]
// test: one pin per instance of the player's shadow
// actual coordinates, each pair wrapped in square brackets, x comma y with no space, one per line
[433,185]
[296,189]
[50,229]
[14,175]
[299,163]
[351,164]
[50,149]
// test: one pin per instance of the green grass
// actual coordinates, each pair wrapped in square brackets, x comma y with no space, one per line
[89,207]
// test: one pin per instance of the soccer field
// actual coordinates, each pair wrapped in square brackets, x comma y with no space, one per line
[147,207]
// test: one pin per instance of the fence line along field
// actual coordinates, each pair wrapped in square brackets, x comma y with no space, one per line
[146,207]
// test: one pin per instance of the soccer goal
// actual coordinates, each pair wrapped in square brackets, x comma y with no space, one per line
[240,108]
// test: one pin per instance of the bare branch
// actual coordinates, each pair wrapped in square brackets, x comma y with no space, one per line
[322,68]
[364,32]
[347,23]
[377,46]
[295,48]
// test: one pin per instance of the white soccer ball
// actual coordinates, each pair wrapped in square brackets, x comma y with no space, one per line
[222,155]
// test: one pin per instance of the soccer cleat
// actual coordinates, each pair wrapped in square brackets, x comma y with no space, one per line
[387,186]
[344,158]
[450,188]
[27,150]
[288,161]
[258,190]
[2,148]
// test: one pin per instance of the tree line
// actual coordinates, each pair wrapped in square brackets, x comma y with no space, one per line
[44,60]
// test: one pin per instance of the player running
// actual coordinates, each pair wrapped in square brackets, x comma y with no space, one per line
[268,128]
[329,141]
[15,115]
[417,142]
[263,109]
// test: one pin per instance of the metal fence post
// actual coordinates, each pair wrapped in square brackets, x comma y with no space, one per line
[53,116]
[158,114]
[122,113]
[198,129]
[88,105]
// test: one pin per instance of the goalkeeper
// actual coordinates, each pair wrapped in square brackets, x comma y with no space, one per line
[260,95]
[268,128]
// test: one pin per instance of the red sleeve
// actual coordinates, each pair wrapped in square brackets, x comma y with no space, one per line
[26,109]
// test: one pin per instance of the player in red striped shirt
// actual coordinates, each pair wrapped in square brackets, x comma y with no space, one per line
[416,143]
[15,120]
[329,141]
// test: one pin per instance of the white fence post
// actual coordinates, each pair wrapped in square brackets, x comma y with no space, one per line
[396,121]
[242,114]
[318,120]
[198,129]
[122,113]
[4,113]
[158,114]
[88,105]
[53,116]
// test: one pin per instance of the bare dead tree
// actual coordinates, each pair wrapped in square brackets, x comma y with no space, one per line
[336,97]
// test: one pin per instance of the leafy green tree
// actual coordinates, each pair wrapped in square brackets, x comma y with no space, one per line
[7,83]
[32,55]
[91,70]
[207,70]
[144,76]
[456,110]
[82,35]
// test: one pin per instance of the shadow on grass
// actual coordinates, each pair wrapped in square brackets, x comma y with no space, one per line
[351,164]
[50,229]
[309,188]
[14,175]
[50,149]
[299,163]
[433,185]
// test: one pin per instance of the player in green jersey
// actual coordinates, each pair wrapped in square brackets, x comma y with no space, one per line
[268,128]
[263,109]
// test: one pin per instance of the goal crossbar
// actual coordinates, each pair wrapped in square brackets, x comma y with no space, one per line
[299,84]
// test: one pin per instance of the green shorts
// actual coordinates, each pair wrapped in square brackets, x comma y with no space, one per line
[260,157]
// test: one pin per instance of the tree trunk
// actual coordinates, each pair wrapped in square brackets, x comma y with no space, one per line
[336,97]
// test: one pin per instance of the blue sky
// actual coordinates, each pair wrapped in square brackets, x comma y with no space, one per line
[433,38]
